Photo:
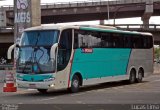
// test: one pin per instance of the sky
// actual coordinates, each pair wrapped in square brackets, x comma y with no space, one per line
[153,20]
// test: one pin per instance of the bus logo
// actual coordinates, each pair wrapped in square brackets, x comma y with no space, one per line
[87,50]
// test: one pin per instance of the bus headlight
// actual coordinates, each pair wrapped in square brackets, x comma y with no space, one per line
[50,79]
[52,85]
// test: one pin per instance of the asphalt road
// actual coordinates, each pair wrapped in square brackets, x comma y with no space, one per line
[147,92]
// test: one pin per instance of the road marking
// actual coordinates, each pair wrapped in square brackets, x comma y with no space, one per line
[156,80]
[47,99]
[78,94]
[117,88]
[101,90]
[80,102]
[90,91]
[24,91]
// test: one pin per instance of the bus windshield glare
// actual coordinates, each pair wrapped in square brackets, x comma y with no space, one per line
[34,51]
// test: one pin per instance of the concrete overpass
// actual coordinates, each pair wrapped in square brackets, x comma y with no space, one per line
[94,10]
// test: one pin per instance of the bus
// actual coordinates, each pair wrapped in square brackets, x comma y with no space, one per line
[56,56]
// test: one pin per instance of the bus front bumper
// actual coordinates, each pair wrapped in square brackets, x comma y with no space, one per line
[35,85]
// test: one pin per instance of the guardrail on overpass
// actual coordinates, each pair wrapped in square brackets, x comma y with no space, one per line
[7,29]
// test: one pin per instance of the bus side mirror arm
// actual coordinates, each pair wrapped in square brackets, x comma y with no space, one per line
[53,51]
[9,53]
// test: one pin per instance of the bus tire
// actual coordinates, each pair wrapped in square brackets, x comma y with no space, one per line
[140,76]
[75,84]
[132,77]
[43,91]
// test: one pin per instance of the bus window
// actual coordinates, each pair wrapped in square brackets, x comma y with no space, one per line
[82,39]
[106,40]
[117,40]
[148,42]
[87,39]
[127,41]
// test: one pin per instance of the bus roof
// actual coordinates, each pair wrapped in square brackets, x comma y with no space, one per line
[101,28]
[51,27]
[114,30]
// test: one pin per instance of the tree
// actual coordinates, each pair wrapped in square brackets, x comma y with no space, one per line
[157,53]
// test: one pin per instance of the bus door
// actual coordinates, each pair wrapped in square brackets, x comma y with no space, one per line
[63,58]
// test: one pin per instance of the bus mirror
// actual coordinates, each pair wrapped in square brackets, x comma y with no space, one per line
[9,53]
[53,51]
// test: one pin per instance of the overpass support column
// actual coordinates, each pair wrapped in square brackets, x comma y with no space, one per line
[27,14]
[147,14]
[2,17]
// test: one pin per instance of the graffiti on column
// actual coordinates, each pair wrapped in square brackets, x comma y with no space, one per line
[22,17]
[22,4]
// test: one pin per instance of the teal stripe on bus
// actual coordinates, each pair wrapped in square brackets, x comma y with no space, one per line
[102,62]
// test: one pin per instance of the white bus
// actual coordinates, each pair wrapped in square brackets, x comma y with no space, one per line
[59,56]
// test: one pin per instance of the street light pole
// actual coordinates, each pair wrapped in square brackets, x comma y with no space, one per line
[108,10]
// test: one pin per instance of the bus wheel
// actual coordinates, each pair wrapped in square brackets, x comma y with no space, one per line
[132,78]
[140,76]
[75,84]
[43,91]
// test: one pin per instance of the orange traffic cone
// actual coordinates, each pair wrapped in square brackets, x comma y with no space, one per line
[9,85]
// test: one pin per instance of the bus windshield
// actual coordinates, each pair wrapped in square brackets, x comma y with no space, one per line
[34,51]
[37,38]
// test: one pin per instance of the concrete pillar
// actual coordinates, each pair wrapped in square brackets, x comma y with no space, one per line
[36,13]
[27,14]
[147,14]
[2,17]
[101,22]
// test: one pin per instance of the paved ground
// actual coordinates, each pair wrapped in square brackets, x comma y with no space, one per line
[147,92]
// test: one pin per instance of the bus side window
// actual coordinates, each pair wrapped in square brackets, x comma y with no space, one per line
[129,41]
[106,40]
[80,39]
[148,42]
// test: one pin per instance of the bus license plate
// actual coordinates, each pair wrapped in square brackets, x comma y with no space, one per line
[32,86]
